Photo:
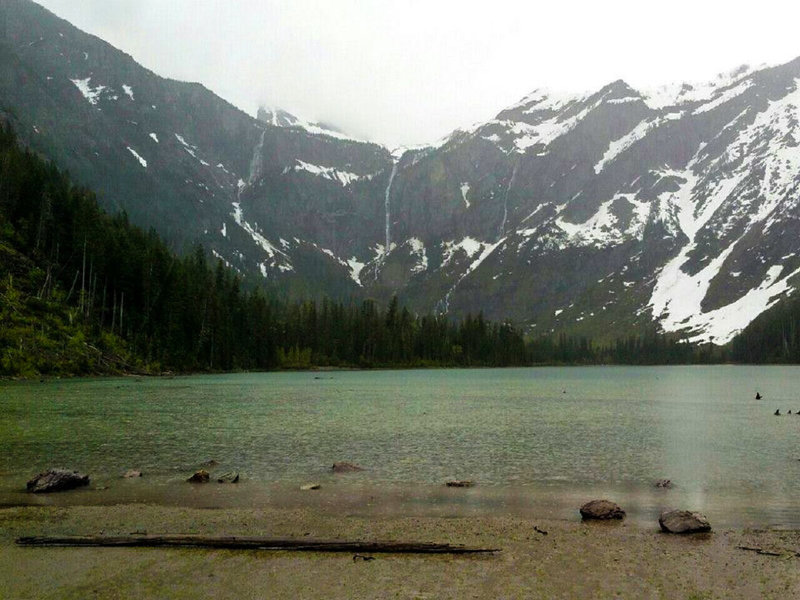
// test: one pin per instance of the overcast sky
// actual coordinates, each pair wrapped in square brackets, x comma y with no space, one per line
[410,71]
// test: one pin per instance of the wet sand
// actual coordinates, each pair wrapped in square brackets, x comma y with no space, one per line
[574,559]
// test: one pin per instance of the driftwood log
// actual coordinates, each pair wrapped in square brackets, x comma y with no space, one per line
[769,552]
[251,543]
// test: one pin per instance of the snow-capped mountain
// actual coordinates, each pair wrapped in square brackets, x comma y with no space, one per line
[591,213]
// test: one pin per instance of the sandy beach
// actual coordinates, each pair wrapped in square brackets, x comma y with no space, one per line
[573,559]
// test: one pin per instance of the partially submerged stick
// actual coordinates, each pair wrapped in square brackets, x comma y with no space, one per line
[251,543]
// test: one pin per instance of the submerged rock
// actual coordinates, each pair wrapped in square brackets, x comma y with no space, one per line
[664,483]
[132,473]
[601,510]
[461,483]
[345,467]
[232,477]
[200,476]
[56,480]
[683,521]
[310,486]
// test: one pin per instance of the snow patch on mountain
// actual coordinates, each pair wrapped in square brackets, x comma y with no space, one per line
[418,249]
[464,192]
[545,132]
[468,245]
[444,303]
[545,99]
[676,94]
[619,146]
[128,90]
[92,94]
[721,325]
[724,96]
[154,137]
[141,160]
[602,229]
[260,240]
[280,118]
[343,178]
[190,148]
[355,266]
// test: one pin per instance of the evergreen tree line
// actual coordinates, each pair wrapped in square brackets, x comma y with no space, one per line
[82,291]
[773,337]
[122,297]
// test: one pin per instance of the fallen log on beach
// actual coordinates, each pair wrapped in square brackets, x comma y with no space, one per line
[762,551]
[251,543]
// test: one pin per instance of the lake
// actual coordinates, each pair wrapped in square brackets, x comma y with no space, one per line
[540,440]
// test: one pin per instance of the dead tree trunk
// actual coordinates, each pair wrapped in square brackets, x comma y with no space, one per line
[252,543]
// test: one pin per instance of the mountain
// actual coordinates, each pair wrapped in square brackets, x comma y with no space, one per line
[173,155]
[596,213]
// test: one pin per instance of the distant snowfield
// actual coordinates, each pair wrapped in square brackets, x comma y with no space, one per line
[343,178]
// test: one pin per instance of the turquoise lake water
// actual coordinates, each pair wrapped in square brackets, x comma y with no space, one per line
[541,438]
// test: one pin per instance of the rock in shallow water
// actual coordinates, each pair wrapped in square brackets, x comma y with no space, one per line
[232,477]
[56,480]
[601,510]
[683,521]
[132,473]
[200,476]
[310,486]
[462,483]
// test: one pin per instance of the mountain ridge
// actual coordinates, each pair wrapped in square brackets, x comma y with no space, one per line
[592,213]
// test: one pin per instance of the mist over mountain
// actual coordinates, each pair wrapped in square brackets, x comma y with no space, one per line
[594,213]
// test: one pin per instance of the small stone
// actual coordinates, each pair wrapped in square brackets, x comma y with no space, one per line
[132,473]
[200,476]
[232,477]
[310,486]
[56,480]
[601,510]
[460,483]
[683,521]
[345,467]
[664,483]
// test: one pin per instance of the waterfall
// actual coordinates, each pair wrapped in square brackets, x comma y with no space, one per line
[386,205]
[505,200]
[255,162]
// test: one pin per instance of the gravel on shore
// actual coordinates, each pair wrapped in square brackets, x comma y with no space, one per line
[571,560]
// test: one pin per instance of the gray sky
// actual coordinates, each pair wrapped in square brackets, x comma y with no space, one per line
[410,71]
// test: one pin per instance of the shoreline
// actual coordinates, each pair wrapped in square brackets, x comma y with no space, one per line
[538,557]
[368,498]
[330,369]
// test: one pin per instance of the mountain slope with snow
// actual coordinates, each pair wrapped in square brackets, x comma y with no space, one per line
[593,213]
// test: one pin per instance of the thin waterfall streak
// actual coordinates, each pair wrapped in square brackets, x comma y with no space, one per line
[387,207]
[505,200]
[255,162]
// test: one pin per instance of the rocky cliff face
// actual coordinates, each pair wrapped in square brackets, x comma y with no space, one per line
[591,213]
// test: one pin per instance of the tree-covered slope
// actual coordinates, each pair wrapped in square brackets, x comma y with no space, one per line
[774,337]
[85,292]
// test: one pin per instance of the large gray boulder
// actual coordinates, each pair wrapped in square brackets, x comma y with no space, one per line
[601,510]
[56,480]
[683,521]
